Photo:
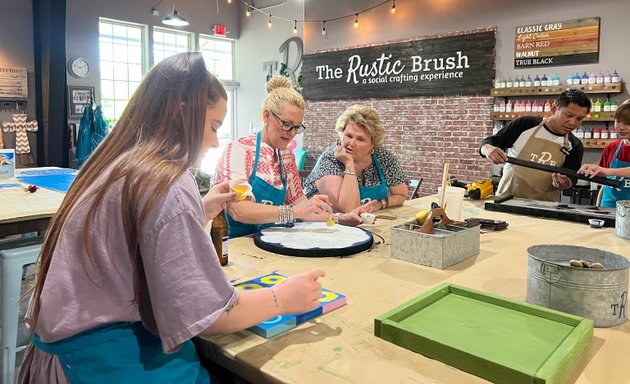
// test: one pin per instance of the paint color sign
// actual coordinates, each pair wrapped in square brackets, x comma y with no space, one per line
[13,82]
[454,65]
[557,43]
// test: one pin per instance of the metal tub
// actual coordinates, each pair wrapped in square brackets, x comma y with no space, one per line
[597,294]
[622,220]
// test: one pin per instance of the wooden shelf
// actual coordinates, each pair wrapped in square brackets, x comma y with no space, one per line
[596,143]
[593,116]
[557,89]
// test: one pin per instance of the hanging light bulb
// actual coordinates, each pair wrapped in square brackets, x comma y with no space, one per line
[393,10]
[175,19]
[248,12]
[356,20]
[269,21]
[229,1]
[295,27]
[324,28]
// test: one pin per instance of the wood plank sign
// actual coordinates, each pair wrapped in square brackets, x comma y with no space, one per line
[454,65]
[13,82]
[557,43]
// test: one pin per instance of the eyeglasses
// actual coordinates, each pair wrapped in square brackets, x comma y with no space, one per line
[288,126]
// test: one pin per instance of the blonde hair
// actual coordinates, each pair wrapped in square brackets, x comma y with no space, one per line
[365,117]
[279,92]
[157,138]
[622,114]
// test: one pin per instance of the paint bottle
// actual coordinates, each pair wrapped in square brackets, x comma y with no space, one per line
[569,79]
[528,81]
[614,103]
[615,77]
[509,83]
[597,133]
[579,133]
[521,82]
[576,79]
[607,105]
[613,133]
[502,106]
[607,77]
[587,133]
[508,106]
[528,106]
[600,78]
[556,80]
[597,106]
[495,108]
[536,81]
[547,106]
[497,83]
[592,79]
[604,134]
[543,81]
[584,79]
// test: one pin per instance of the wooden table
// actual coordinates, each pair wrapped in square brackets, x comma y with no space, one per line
[22,211]
[340,347]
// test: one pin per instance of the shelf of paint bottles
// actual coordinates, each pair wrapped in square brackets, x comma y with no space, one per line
[594,83]
[503,111]
[596,137]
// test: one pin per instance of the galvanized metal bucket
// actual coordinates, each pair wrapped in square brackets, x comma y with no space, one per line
[597,294]
[622,220]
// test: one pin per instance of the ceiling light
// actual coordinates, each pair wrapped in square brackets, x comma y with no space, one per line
[174,19]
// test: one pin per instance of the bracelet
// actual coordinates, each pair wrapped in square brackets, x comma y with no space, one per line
[336,217]
[384,203]
[350,172]
[286,215]
[275,298]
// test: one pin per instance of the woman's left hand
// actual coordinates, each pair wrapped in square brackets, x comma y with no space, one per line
[350,218]
[217,199]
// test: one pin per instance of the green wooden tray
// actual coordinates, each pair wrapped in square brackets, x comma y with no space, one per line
[498,339]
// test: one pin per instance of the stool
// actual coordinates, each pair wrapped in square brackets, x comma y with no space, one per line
[14,255]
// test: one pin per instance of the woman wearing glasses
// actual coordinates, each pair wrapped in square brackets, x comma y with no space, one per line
[357,173]
[263,159]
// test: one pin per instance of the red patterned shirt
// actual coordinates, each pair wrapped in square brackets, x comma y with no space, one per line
[237,162]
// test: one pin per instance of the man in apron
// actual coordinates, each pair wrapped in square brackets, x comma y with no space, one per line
[615,161]
[542,140]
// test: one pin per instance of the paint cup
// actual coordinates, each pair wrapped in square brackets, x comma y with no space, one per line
[241,188]
[453,200]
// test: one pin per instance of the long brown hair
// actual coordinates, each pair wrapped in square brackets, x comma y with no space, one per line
[157,138]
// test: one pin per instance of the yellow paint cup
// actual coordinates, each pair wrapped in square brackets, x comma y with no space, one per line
[241,188]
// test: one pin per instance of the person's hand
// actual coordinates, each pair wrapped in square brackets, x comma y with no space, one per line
[344,157]
[318,208]
[494,154]
[350,218]
[299,293]
[217,199]
[560,182]
[592,170]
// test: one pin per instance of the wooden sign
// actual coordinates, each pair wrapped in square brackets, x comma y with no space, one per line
[13,83]
[455,65]
[557,43]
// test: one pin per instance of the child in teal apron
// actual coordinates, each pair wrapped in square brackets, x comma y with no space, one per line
[610,194]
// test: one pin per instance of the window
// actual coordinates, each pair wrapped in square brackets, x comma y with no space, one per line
[121,62]
[218,55]
[167,42]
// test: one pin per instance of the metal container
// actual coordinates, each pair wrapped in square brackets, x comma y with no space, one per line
[597,294]
[622,220]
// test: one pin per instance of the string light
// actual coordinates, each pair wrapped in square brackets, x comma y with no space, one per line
[251,9]
[229,1]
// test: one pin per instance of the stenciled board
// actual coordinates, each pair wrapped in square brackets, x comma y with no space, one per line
[554,210]
[329,301]
[314,239]
[56,179]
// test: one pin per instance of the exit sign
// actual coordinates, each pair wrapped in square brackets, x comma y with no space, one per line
[219,30]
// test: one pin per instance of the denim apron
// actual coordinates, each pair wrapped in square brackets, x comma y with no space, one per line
[264,192]
[377,192]
[124,353]
[611,195]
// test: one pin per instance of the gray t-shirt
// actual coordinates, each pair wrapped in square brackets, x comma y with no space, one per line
[327,165]
[183,289]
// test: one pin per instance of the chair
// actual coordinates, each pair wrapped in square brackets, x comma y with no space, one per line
[14,255]
[415,185]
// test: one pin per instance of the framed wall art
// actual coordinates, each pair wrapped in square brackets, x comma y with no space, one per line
[78,98]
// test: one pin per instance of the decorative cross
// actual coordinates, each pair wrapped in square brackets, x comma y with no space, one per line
[20,126]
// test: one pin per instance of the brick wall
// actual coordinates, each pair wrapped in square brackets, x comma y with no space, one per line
[424,133]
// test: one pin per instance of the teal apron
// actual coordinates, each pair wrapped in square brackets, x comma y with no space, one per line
[264,192]
[124,353]
[611,195]
[376,192]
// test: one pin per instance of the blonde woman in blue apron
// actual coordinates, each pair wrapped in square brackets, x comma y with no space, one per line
[547,141]
[615,161]
[263,159]
[127,275]
[357,173]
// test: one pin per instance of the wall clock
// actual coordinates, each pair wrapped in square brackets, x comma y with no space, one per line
[78,67]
